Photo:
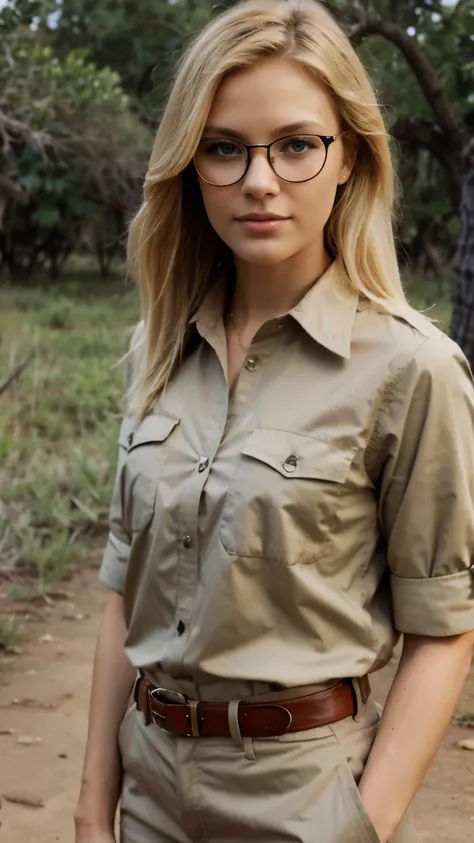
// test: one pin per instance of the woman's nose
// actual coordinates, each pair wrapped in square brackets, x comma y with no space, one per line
[260,179]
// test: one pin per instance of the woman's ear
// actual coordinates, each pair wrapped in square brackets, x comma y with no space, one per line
[351,146]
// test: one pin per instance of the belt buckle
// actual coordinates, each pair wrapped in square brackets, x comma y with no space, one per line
[167,698]
[175,698]
[171,697]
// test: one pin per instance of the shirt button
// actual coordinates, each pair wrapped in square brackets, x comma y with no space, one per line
[290,464]
[251,364]
[187,542]
[203,464]
[130,439]
[181,627]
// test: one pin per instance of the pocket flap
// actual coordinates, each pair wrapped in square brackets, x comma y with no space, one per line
[295,455]
[153,428]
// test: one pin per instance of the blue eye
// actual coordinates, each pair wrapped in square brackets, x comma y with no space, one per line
[223,149]
[298,145]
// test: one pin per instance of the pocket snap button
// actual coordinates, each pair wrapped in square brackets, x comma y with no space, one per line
[290,464]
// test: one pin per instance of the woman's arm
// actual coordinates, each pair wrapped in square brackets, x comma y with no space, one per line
[112,681]
[419,707]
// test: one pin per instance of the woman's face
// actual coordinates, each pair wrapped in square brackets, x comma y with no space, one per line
[274,99]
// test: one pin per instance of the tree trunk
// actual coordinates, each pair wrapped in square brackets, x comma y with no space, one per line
[462,324]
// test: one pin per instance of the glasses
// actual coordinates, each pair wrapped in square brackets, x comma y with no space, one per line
[296,158]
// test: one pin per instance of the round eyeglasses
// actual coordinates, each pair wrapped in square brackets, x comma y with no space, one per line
[296,158]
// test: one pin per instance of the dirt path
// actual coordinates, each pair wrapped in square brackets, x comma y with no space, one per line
[57,673]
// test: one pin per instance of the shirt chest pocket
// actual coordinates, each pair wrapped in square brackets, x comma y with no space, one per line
[283,498]
[144,448]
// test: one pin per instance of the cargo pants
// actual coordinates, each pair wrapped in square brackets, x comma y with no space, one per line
[296,788]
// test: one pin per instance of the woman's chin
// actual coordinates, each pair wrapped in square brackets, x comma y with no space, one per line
[262,252]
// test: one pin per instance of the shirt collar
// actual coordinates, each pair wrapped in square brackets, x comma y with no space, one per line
[211,309]
[326,312]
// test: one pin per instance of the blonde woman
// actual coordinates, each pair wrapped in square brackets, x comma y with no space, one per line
[295,480]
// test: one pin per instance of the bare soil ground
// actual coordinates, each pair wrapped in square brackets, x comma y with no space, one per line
[44,692]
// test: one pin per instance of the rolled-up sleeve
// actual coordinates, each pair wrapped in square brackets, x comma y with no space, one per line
[425,452]
[117,551]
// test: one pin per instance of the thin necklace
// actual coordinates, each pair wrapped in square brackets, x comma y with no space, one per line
[239,337]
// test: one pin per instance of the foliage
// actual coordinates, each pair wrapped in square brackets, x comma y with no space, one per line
[86,152]
[140,41]
[57,467]
[68,63]
[10,632]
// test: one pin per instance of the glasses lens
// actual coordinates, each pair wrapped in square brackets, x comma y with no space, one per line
[221,162]
[298,158]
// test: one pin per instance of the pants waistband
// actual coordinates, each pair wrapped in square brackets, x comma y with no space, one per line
[225,690]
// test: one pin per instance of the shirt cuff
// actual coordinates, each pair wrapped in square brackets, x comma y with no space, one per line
[114,564]
[435,606]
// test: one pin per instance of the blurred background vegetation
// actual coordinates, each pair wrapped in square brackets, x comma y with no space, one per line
[82,86]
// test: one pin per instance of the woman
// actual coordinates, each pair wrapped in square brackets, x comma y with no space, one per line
[295,480]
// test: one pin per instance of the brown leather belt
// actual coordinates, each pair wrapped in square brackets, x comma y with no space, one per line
[181,716]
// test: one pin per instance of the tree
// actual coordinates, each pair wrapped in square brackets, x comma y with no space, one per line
[462,325]
[140,41]
[441,63]
[81,156]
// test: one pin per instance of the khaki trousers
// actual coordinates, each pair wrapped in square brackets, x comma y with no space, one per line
[298,788]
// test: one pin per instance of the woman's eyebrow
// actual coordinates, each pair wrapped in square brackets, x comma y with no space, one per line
[281,131]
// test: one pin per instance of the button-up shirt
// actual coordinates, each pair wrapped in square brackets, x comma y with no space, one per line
[289,531]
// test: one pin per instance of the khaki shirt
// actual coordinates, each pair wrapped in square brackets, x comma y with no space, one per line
[289,532]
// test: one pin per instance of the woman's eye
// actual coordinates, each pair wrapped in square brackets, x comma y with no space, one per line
[223,148]
[298,145]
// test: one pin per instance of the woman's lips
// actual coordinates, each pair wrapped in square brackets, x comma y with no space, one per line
[259,225]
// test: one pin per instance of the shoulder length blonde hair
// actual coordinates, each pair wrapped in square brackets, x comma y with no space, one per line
[174,253]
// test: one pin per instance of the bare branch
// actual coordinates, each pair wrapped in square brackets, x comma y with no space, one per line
[15,373]
[430,83]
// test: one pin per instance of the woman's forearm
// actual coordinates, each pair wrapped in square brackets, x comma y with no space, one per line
[112,681]
[417,713]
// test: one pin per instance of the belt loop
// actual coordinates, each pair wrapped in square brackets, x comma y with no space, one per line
[234,727]
[249,751]
[361,706]
[194,718]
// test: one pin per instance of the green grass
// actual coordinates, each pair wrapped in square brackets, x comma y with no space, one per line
[59,423]
[10,633]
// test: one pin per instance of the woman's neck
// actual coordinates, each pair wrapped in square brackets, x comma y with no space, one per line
[264,292]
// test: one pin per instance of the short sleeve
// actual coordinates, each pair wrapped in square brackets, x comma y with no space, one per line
[423,447]
[117,551]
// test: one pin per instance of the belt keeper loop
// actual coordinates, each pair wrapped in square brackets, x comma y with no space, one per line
[360,705]
[194,718]
[234,727]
